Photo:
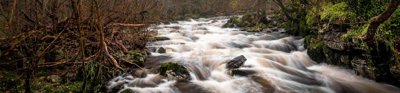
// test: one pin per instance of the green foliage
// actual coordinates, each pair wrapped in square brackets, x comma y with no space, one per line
[312,16]
[390,29]
[366,9]
[357,33]
[316,44]
[10,81]
[49,87]
[338,12]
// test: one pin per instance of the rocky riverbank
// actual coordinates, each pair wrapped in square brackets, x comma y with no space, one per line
[337,45]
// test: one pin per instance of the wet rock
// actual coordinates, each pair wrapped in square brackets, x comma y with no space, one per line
[127,91]
[160,38]
[238,45]
[375,62]
[153,63]
[275,29]
[161,50]
[174,71]
[194,38]
[254,22]
[151,49]
[236,62]
[360,66]
[243,72]
[139,73]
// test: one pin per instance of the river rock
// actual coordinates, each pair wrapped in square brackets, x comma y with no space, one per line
[153,63]
[375,62]
[174,71]
[161,50]
[243,72]
[189,87]
[160,38]
[236,62]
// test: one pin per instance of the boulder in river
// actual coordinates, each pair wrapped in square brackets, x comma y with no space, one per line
[174,71]
[160,38]
[236,62]
[161,50]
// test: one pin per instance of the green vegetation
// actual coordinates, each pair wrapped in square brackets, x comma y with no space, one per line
[365,9]
[390,30]
[336,12]
[357,33]
[345,26]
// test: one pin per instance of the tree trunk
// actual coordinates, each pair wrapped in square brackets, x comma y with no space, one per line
[377,20]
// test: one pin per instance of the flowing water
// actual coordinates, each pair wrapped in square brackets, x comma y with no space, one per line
[276,63]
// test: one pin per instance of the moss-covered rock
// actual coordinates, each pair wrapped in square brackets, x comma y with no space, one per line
[376,62]
[132,57]
[254,22]
[174,71]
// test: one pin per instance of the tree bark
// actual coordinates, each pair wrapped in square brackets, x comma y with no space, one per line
[377,20]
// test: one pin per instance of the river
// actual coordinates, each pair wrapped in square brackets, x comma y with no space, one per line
[276,63]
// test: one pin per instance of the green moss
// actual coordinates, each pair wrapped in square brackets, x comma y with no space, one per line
[175,67]
[316,44]
[49,87]
[339,12]
[365,9]
[127,91]
[357,33]
[312,16]
[259,27]
[389,31]
[10,81]
[133,56]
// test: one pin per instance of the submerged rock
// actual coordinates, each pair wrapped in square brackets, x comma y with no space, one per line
[189,87]
[153,63]
[174,71]
[236,62]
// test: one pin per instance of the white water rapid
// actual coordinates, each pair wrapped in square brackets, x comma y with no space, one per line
[276,63]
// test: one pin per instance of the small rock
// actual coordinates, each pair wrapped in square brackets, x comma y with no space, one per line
[139,73]
[236,62]
[275,29]
[161,50]
[53,78]
[151,49]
